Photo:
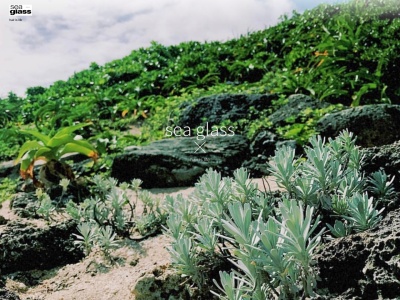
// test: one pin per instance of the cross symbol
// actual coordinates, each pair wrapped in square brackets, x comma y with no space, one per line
[199,147]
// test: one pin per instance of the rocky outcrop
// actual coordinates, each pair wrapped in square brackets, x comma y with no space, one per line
[374,125]
[26,247]
[180,161]
[363,265]
[217,108]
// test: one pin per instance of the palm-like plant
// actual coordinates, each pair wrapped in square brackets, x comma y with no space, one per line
[51,149]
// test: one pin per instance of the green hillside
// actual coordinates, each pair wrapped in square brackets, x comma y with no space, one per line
[345,54]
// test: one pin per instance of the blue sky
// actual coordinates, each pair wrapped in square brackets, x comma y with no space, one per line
[65,36]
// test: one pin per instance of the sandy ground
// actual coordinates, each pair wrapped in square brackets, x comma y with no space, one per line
[98,279]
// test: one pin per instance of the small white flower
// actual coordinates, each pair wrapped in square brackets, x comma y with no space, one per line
[64,183]
[39,193]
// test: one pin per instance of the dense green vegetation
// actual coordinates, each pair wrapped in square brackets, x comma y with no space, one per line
[343,53]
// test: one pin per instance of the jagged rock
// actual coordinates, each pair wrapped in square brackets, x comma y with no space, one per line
[217,108]
[180,161]
[386,157]
[264,143]
[262,146]
[296,104]
[159,284]
[8,295]
[25,246]
[374,125]
[24,204]
[9,169]
[3,220]
[363,265]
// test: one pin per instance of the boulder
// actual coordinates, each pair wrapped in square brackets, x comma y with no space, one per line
[180,161]
[363,265]
[217,108]
[374,125]
[25,246]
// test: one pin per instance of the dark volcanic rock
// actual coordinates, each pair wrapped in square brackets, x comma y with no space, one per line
[8,295]
[386,157]
[363,265]
[9,169]
[25,247]
[374,125]
[217,108]
[3,220]
[262,146]
[180,161]
[24,204]
[264,143]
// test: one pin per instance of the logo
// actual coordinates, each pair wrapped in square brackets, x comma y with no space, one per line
[201,132]
[20,10]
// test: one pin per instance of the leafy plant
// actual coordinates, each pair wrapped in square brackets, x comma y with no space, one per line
[46,207]
[87,238]
[362,214]
[302,127]
[51,148]
[381,186]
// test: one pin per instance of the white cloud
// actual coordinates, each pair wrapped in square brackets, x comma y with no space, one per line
[66,36]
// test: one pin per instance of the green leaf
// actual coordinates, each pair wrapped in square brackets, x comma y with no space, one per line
[59,140]
[27,159]
[79,147]
[28,146]
[68,130]
[43,138]
[45,152]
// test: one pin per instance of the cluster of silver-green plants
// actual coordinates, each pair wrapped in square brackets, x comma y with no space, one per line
[111,212]
[330,179]
[102,217]
[45,207]
[266,240]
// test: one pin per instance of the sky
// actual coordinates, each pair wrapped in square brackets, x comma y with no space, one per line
[64,36]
